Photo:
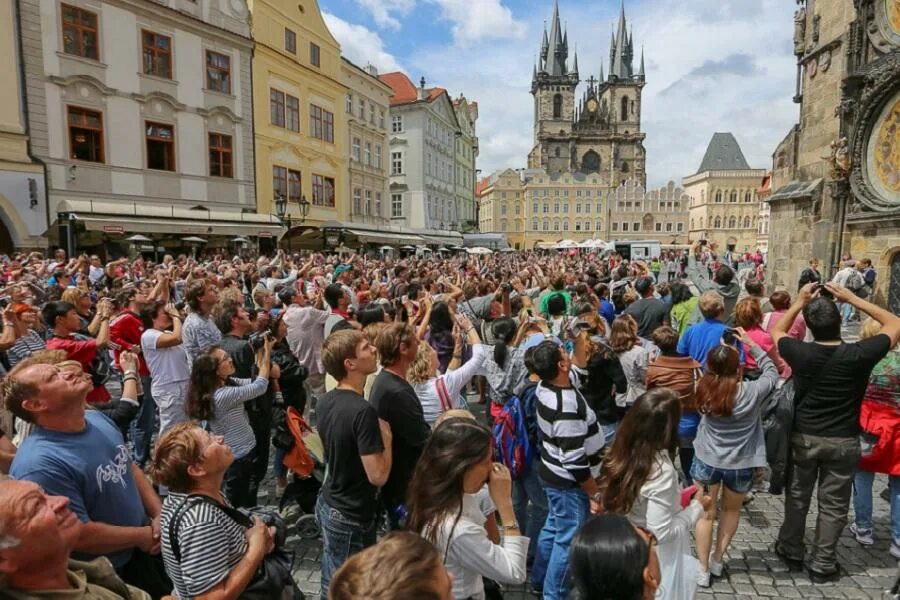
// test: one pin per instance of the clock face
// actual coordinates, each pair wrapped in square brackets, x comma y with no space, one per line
[592,105]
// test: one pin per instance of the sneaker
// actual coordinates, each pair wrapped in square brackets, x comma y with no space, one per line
[748,498]
[703,579]
[895,550]
[715,567]
[819,577]
[865,538]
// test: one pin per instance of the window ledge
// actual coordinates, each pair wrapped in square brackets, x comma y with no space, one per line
[82,59]
[218,93]
[158,78]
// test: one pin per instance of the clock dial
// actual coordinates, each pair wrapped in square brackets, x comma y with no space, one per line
[592,105]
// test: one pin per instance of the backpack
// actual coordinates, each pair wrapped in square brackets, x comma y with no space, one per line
[855,281]
[511,444]
[528,401]
[101,366]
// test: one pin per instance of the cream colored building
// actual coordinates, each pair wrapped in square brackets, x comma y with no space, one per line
[300,120]
[23,199]
[366,111]
[142,113]
[724,205]
[502,206]
[466,153]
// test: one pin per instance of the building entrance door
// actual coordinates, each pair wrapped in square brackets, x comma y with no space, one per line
[894,286]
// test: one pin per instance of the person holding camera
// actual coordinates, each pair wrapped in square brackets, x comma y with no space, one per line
[215,395]
[167,361]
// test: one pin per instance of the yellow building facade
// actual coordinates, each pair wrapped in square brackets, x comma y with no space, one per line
[299,117]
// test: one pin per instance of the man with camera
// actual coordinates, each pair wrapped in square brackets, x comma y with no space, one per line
[234,323]
[830,379]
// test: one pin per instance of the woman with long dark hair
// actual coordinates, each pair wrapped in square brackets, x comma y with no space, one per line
[218,398]
[611,559]
[729,443]
[640,481]
[634,356]
[456,462]
[440,334]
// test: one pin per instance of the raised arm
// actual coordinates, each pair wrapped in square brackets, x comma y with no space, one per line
[890,323]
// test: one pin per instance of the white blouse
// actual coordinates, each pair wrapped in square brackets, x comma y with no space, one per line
[455,381]
[469,555]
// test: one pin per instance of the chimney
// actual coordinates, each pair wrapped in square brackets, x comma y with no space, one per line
[371,69]
[420,93]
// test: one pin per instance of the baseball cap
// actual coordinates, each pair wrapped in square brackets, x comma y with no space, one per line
[340,269]
[536,339]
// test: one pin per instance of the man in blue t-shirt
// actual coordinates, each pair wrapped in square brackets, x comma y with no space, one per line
[80,454]
[699,339]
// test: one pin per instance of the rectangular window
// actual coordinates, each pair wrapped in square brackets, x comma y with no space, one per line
[578,209]
[292,110]
[659,226]
[313,54]
[349,105]
[361,112]
[615,226]
[321,124]
[534,207]
[367,158]
[377,156]
[378,204]
[371,113]
[279,183]
[396,205]
[220,156]
[276,107]
[357,201]
[354,149]
[290,41]
[293,186]
[397,123]
[79,30]
[85,134]
[218,72]
[635,226]
[368,205]
[668,227]
[381,119]
[157,54]
[625,226]
[396,163]
[160,140]
[323,190]
[680,227]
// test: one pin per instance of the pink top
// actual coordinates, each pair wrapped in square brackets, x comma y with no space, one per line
[765,341]
[797,330]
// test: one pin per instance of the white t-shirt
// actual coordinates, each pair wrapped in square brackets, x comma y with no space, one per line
[167,365]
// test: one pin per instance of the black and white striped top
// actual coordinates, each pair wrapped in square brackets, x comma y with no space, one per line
[571,439]
[211,544]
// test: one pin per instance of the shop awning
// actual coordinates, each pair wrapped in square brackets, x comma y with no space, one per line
[386,238]
[133,217]
[440,240]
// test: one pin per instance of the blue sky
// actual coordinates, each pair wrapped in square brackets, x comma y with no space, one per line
[712,65]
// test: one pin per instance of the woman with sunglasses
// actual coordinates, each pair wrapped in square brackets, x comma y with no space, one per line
[218,398]
[640,481]
[611,559]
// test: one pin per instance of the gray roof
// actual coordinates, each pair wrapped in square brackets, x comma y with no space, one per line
[723,154]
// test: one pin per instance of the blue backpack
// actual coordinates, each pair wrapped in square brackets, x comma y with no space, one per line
[511,443]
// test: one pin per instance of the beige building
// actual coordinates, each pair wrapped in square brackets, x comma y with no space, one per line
[23,199]
[501,205]
[366,111]
[300,121]
[835,175]
[762,233]
[142,113]
[724,208]
[466,153]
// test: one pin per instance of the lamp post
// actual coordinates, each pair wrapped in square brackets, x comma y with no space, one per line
[281,206]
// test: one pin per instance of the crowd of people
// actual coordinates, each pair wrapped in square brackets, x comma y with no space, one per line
[568,421]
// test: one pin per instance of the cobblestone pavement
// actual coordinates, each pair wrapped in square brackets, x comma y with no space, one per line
[752,570]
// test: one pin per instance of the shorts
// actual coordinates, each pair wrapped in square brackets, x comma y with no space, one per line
[739,481]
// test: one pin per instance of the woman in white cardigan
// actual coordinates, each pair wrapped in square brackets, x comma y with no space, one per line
[438,392]
[641,482]
[444,509]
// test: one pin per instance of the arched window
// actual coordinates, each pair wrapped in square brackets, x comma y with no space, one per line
[598,225]
[565,225]
[733,197]
[556,152]
[503,209]
[732,222]
[718,222]
[748,196]
[624,166]
[746,222]
[590,162]
[546,225]
[624,109]
[534,225]
[556,225]
[718,196]
[557,107]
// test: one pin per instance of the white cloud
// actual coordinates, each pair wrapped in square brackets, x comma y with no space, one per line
[480,20]
[361,45]
[384,11]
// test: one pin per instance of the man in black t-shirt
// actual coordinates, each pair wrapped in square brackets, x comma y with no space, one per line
[397,403]
[830,379]
[357,451]
[649,312]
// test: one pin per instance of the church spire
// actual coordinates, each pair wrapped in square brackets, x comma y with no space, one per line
[641,74]
[622,54]
[555,47]
[574,70]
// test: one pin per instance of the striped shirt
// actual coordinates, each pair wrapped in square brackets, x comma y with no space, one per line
[570,436]
[229,417]
[211,544]
[25,346]
[199,334]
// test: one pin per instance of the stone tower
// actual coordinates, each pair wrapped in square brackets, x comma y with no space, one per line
[601,133]
[553,87]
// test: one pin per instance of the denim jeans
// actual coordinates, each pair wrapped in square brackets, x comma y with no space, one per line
[609,434]
[278,468]
[568,510]
[862,503]
[831,463]
[342,537]
[846,311]
[528,488]
[143,425]
[260,417]
[237,482]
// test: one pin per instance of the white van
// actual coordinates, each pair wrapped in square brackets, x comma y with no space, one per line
[638,249]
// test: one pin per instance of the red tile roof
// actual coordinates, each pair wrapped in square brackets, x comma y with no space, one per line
[481,185]
[405,91]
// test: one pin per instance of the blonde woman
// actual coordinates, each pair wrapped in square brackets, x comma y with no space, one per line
[439,393]
[81,300]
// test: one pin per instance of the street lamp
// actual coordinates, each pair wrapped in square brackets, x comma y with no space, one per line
[281,206]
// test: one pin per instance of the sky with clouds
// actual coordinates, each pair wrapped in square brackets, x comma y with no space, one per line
[712,65]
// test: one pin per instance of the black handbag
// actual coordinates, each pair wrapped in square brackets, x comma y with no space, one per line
[273,579]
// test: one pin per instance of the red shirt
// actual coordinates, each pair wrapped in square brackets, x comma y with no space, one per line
[83,352]
[124,332]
